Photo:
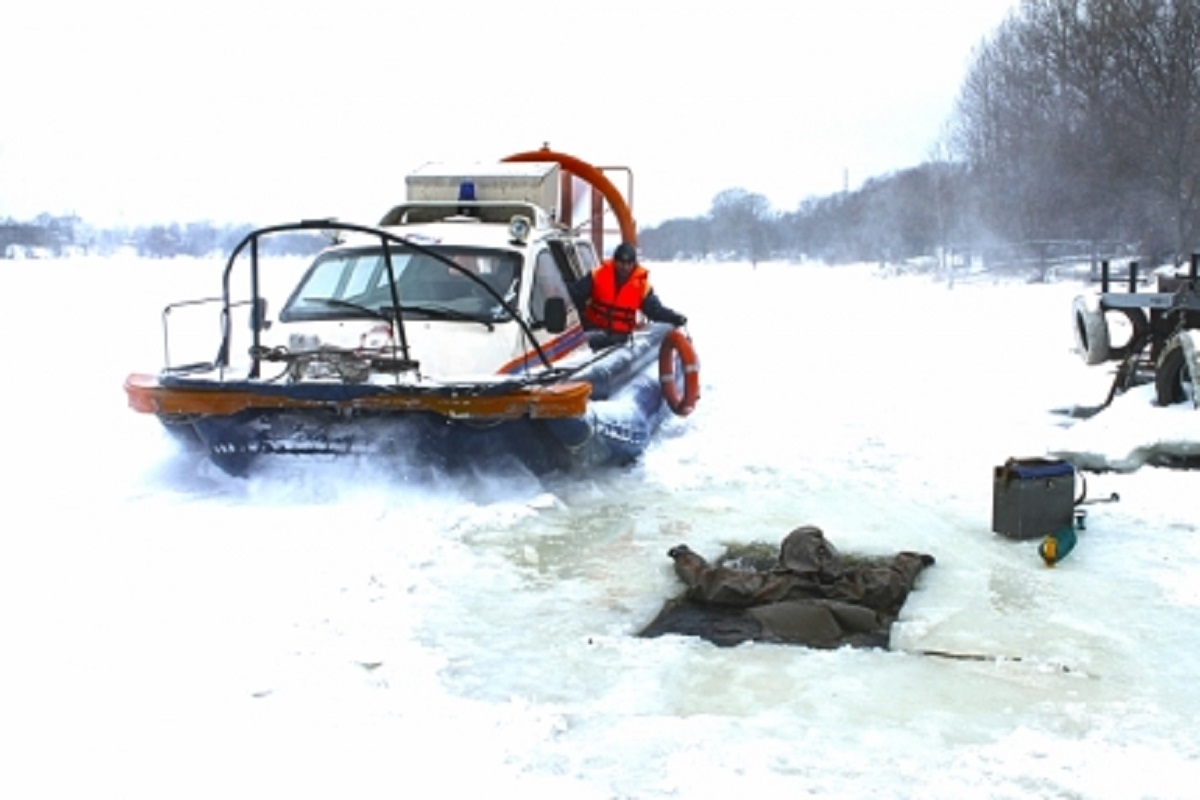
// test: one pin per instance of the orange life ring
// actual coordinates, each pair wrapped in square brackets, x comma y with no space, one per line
[676,343]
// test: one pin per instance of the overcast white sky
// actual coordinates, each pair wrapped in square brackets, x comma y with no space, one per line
[267,111]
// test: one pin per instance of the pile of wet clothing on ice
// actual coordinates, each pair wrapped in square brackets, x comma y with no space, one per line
[811,595]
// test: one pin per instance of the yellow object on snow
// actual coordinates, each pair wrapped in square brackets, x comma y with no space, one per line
[1058,545]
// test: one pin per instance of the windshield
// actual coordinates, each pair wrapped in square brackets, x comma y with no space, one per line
[354,283]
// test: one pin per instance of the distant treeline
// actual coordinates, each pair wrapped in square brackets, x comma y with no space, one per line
[55,236]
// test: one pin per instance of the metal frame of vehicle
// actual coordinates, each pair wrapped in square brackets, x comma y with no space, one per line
[1162,345]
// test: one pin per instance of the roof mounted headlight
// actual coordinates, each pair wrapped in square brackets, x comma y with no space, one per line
[518,229]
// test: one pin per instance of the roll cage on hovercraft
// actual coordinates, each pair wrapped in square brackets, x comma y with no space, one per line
[1163,342]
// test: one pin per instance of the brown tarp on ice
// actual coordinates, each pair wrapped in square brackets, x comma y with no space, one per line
[811,595]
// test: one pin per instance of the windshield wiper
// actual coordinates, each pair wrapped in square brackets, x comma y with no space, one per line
[443,312]
[386,313]
[337,303]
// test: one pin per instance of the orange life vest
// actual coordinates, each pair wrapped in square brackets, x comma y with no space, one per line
[615,308]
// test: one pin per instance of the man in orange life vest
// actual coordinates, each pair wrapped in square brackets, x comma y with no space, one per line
[613,294]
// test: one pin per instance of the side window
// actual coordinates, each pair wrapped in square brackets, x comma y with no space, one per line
[588,259]
[570,262]
[547,282]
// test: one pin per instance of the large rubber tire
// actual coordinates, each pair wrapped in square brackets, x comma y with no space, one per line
[1091,331]
[1176,372]
[1140,326]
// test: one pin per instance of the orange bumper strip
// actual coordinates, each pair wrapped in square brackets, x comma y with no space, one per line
[148,396]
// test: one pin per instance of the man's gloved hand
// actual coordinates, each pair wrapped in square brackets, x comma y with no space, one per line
[679,321]
[678,551]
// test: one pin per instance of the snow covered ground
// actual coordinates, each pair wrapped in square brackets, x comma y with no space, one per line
[337,629]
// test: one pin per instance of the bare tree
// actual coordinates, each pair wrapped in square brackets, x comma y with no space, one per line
[742,224]
[1080,116]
